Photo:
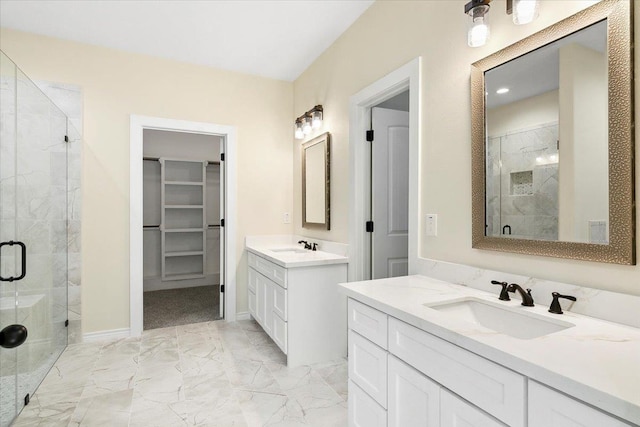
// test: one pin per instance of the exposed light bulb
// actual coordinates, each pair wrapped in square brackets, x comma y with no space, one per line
[525,11]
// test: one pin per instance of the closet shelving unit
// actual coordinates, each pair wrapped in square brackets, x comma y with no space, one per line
[183,224]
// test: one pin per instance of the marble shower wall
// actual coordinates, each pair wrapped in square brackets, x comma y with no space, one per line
[522,183]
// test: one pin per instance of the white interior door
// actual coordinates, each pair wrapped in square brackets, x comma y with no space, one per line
[390,193]
[223,235]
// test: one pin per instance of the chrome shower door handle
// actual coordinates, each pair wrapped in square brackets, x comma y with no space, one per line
[23,250]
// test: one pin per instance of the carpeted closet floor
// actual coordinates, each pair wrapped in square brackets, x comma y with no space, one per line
[175,307]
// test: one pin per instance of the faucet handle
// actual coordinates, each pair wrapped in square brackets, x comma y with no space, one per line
[504,294]
[555,304]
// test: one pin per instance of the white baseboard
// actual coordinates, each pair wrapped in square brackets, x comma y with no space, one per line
[106,335]
[243,316]
[157,284]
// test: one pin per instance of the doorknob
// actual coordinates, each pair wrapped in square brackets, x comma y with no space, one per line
[23,249]
[12,336]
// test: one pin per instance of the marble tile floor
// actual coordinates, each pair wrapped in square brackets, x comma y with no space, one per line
[202,374]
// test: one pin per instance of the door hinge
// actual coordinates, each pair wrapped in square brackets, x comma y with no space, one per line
[222,157]
[66,138]
[27,398]
[370,135]
[222,222]
[222,288]
[66,323]
[369,226]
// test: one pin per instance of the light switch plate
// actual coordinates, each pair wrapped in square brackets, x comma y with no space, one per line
[286,218]
[431,226]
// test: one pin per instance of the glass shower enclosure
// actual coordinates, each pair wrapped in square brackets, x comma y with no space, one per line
[33,235]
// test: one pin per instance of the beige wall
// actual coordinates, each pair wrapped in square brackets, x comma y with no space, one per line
[525,114]
[584,169]
[388,35]
[116,84]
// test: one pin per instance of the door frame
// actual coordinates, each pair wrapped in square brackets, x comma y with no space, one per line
[228,233]
[406,77]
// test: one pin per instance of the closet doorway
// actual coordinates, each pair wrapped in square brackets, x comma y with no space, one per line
[182,212]
[187,197]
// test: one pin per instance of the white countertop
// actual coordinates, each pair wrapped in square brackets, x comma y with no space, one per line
[307,258]
[595,361]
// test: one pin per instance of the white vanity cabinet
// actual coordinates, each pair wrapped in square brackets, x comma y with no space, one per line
[431,382]
[300,308]
[388,360]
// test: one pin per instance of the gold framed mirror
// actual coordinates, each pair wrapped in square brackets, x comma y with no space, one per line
[553,143]
[316,188]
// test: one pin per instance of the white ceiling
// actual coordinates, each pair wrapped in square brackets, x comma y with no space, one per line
[277,39]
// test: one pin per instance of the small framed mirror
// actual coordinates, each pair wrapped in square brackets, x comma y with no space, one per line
[316,167]
[552,140]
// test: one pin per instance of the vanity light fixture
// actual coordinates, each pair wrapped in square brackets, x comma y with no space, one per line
[478,32]
[308,122]
[523,11]
[299,134]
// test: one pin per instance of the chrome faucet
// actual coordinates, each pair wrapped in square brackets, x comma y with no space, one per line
[527,299]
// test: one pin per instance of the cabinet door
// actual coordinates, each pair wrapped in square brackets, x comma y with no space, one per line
[548,408]
[414,400]
[455,412]
[363,410]
[260,298]
[252,304]
[368,367]
[268,306]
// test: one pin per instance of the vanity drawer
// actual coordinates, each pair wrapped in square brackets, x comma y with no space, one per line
[493,388]
[368,367]
[363,410]
[548,408]
[280,302]
[270,270]
[368,322]
[279,333]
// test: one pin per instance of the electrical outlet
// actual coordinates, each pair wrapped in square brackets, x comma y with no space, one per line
[431,228]
[286,218]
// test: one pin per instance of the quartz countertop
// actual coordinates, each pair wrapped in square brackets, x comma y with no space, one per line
[595,361]
[289,259]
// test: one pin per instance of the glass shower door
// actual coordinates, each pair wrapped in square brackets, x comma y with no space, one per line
[8,296]
[34,213]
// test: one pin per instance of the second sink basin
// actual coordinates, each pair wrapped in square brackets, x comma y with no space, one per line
[290,251]
[512,321]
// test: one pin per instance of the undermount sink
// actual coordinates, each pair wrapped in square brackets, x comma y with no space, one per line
[290,251]
[512,321]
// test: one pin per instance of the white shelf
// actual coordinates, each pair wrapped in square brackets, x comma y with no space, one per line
[183,188]
[168,277]
[184,207]
[184,253]
[183,183]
